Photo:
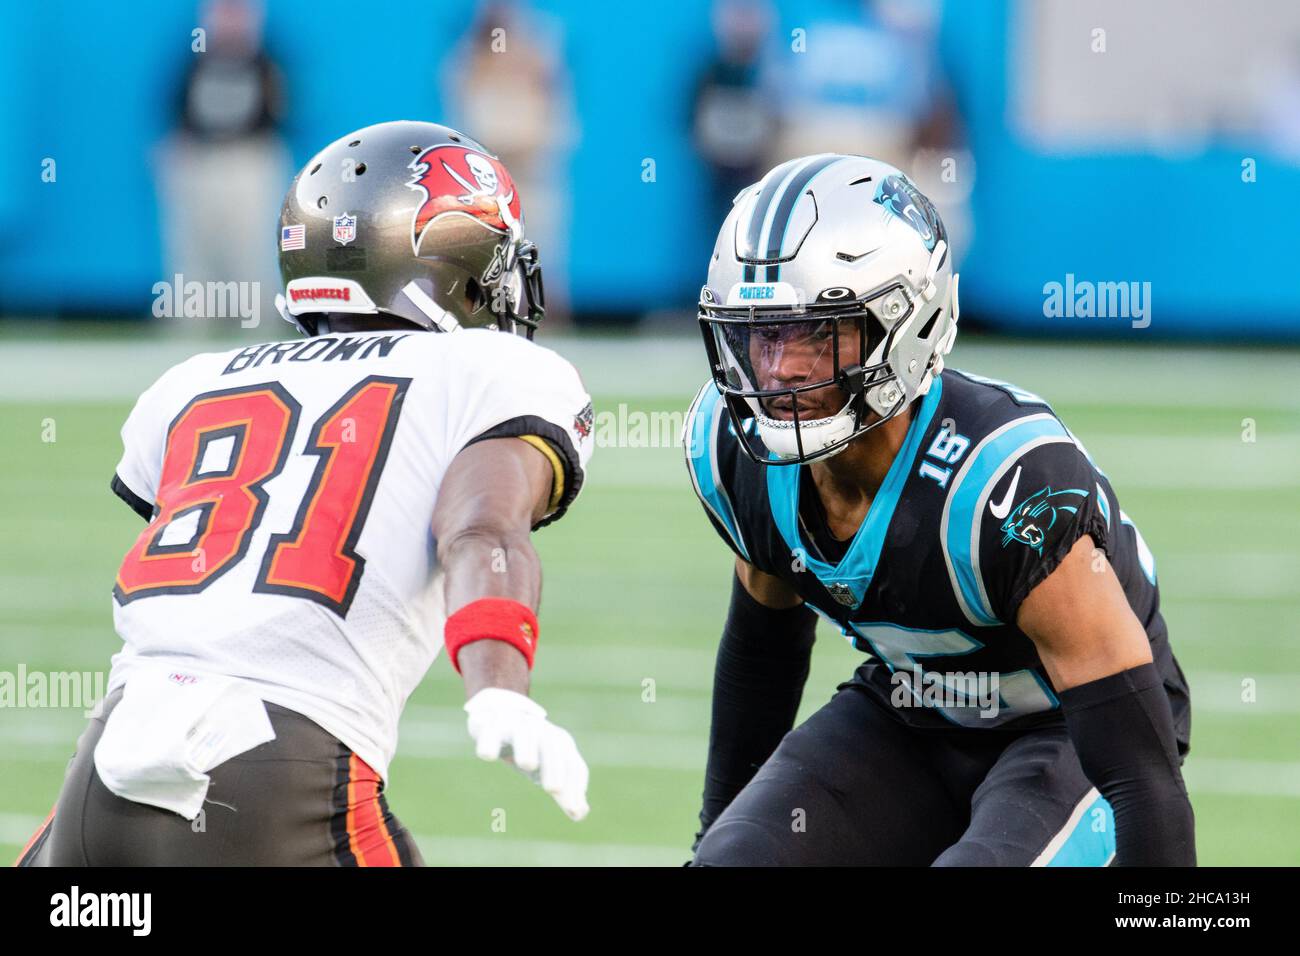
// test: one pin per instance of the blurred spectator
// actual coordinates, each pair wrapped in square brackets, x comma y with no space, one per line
[506,85]
[857,78]
[866,79]
[734,119]
[225,166]
[1277,91]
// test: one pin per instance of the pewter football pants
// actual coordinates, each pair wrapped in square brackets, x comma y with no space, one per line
[302,799]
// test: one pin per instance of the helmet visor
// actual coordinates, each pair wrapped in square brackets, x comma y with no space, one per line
[761,353]
[797,366]
[786,365]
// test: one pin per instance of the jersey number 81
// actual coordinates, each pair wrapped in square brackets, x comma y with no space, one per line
[224,504]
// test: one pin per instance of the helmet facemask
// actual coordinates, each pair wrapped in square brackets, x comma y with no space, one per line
[517,300]
[809,378]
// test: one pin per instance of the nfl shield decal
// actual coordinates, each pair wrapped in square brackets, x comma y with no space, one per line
[345,228]
[842,594]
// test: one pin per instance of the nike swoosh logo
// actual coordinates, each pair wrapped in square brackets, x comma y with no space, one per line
[849,257]
[1003,508]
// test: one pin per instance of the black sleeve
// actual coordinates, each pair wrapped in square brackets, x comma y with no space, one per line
[1035,512]
[1123,732]
[558,442]
[757,685]
[138,504]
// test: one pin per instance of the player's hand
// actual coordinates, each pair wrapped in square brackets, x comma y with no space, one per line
[509,726]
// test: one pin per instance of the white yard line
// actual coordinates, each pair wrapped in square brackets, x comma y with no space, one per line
[1256,778]
[432,732]
[653,365]
[1219,463]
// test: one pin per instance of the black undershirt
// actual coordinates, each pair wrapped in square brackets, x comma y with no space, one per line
[813,523]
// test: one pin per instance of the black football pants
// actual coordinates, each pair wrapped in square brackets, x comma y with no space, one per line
[854,785]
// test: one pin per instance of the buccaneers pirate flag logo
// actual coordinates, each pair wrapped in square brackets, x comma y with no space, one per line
[458,181]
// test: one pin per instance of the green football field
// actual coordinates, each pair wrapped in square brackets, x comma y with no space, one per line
[1202,445]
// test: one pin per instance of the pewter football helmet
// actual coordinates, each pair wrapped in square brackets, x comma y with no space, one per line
[412,220]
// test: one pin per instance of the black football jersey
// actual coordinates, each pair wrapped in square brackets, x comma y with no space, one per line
[985,498]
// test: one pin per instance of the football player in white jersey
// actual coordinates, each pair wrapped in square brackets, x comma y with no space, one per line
[324,514]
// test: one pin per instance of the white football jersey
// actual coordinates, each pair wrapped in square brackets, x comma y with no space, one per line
[290,488]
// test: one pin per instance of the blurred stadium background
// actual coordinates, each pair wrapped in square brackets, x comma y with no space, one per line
[1104,142]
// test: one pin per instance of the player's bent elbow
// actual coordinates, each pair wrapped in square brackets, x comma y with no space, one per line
[500,546]
[768,590]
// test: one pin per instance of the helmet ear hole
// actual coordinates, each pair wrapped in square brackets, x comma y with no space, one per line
[929,325]
[475,294]
[875,334]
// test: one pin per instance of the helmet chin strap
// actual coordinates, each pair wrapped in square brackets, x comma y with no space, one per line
[439,318]
[783,438]
[282,306]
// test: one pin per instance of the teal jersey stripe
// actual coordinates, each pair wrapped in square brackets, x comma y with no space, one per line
[959,528]
[859,562]
[1092,839]
[707,415]
[1146,559]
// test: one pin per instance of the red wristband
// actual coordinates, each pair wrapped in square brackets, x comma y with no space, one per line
[491,619]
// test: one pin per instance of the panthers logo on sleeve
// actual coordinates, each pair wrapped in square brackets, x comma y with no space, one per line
[1034,518]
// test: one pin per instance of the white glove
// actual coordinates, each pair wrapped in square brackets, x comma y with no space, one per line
[509,726]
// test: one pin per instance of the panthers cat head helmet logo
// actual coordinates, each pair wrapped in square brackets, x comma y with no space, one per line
[829,306]
[434,234]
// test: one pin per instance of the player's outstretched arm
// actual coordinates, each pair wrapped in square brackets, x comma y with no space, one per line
[758,681]
[1099,659]
[493,494]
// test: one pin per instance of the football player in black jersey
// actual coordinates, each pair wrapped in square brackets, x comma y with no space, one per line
[1019,703]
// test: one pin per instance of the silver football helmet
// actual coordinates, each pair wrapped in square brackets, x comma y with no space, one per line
[826,253]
